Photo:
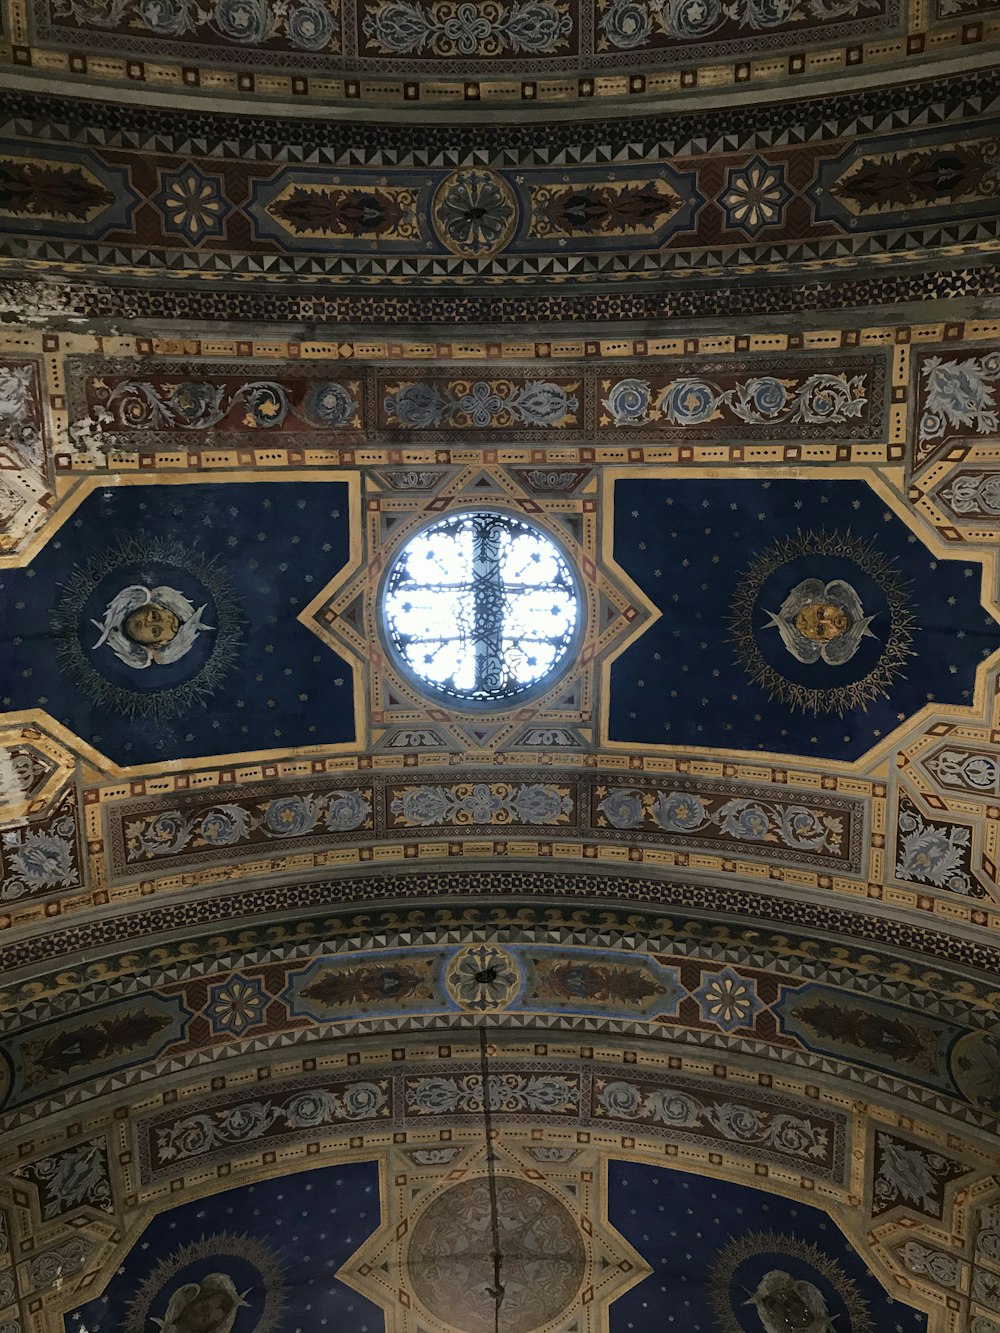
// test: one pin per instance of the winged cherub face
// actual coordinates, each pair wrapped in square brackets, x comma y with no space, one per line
[206,1312]
[151,625]
[793,1310]
[820,622]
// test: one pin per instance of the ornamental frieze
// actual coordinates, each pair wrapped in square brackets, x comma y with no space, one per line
[204,405]
[151,836]
[769,1127]
[922,1039]
[528,50]
[562,309]
[232,207]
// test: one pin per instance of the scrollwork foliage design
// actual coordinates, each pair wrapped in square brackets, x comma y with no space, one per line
[194,1135]
[529,27]
[41,858]
[228,824]
[743,819]
[483,803]
[958,394]
[303,25]
[70,1179]
[821,399]
[200,405]
[733,1121]
[507,1092]
[629,24]
[481,405]
[929,852]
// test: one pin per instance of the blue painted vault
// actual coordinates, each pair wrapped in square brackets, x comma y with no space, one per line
[278,1246]
[279,1243]
[244,558]
[724,561]
[711,1242]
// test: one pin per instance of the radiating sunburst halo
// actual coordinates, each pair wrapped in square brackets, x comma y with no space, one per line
[877,566]
[216,1248]
[772,1246]
[158,556]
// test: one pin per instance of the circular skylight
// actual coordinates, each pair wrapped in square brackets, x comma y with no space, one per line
[481,606]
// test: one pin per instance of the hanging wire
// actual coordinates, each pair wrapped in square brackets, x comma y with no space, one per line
[497,1290]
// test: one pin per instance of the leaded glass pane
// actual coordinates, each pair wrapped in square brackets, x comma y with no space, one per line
[481,606]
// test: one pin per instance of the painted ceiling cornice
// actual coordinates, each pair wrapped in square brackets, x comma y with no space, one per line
[700,934]
[549,53]
[119,210]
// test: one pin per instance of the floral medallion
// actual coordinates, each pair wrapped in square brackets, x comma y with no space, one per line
[236,1004]
[728,1000]
[755,196]
[474,213]
[192,204]
[483,978]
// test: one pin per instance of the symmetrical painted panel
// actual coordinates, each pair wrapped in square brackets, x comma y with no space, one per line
[796,189]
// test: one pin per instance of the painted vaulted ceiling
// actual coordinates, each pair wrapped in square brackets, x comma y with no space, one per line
[672,979]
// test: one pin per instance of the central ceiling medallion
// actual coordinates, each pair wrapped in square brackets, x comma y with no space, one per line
[449,1264]
[480,615]
[481,607]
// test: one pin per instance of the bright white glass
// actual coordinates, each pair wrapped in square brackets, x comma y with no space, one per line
[481,606]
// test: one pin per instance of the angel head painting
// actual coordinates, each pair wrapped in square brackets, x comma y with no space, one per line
[789,1306]
[208,1306]
[822,622]
[143,626]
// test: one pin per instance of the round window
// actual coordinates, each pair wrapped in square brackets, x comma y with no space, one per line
[481,606]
